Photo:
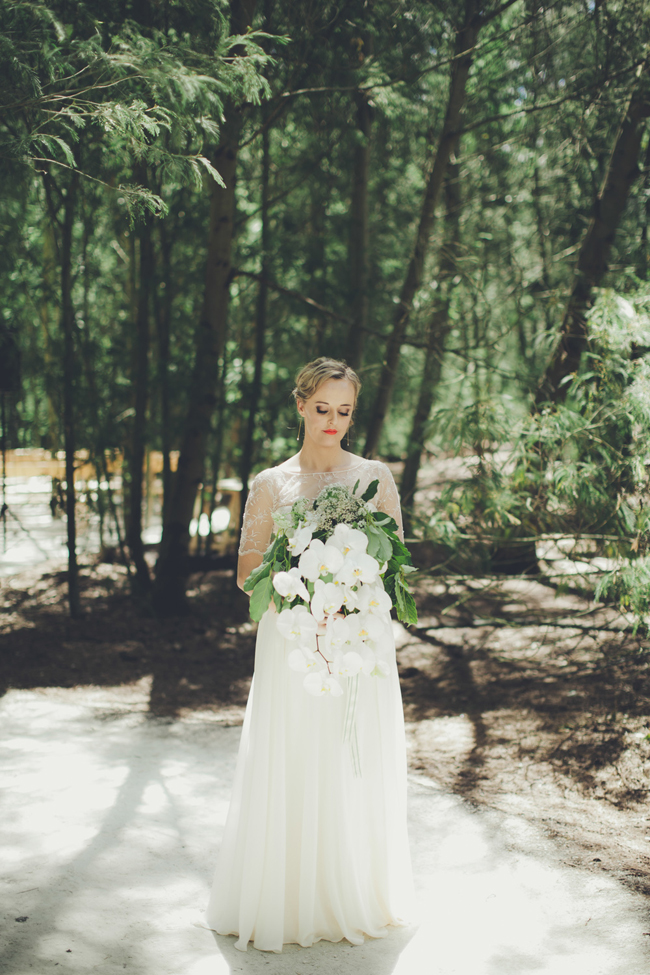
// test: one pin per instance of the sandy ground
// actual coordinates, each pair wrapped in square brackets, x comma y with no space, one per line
[110,824]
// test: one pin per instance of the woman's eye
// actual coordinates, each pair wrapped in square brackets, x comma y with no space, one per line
[322,412]
[344,414]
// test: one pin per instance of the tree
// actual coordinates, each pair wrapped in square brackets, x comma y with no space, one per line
[171,569]
[593,256]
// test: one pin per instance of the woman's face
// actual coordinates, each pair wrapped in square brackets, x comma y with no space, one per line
[327,414]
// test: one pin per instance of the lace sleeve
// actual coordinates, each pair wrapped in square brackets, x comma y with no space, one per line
[387,498]
[257,526]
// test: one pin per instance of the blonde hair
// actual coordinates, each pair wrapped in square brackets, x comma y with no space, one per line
[319,371]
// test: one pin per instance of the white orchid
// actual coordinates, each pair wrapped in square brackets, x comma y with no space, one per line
[347,664]
[340,634]
[327,599]
[349,539]
[349,597]
[296,623]
[300,539]
[382,669]
[366,626]
[373,599]
[358,567]
[320,559]
[320,683]
[305,660]
[289,585]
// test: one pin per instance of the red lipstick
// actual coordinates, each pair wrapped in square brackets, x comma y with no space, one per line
[330,431]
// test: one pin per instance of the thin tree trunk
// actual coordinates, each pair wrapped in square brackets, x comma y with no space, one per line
[163,306]
[464,52]
[136,442]
[255,390]
[358,249]
[171,572]
[67,328]
[596,246]
[439,327]
[315,265]
[48,291]
[218,448]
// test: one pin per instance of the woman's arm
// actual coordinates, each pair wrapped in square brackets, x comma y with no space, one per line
[387,498]
[245,565]
[257,527]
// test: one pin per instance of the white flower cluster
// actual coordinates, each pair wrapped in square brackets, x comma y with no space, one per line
[329,645]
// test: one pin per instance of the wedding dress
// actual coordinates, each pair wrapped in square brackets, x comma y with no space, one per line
[315,846]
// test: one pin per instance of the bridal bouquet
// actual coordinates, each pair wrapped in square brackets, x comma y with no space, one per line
[334,569]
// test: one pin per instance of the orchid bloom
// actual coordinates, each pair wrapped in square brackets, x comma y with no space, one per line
[340,633]
[347,664]
[320,559]
[289,585]
[382,669]
[304,660]
[327,599]
[296,623]
[320,683]
[300,540]
[349,539]
[373,599]
[366,626]
[357,568]
[349,597]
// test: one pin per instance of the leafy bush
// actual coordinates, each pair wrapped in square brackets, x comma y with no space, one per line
[577,468]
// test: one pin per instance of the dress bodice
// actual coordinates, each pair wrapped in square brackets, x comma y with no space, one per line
[277,487]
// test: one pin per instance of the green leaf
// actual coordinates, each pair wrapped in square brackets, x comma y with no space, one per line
[371,490]
[373,542]
[385,547]
[385,521]
[405,604]
[354,489]
[258,573]
[261,597]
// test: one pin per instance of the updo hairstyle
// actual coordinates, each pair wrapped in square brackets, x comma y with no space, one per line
[319,371]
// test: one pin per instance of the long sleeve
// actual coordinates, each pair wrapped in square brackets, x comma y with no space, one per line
[257,526]
[387,499]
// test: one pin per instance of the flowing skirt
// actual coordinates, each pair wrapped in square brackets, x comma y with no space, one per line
[315,843]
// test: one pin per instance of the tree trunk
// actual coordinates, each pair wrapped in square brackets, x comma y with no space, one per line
[162,307]
[67,328]
[358,249]
[439,326]
[255,390]
[136,442]
[464,53]
[596,246]
[171,573]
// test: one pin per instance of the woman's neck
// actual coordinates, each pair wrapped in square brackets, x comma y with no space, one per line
[316,460]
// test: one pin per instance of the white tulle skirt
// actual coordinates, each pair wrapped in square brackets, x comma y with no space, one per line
[315,843]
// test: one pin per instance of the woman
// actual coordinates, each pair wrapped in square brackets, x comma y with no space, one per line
[311,849]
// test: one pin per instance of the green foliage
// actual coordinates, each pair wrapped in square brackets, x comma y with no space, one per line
[575,469]
[136,104]
[629,586]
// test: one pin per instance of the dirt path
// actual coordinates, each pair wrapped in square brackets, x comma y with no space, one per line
[110,830]
[517,699]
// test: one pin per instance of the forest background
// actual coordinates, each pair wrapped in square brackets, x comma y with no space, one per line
[199,197]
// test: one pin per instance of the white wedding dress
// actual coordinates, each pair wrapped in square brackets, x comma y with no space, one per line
[312,849]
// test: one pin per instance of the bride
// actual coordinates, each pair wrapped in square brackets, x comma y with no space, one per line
[311,848]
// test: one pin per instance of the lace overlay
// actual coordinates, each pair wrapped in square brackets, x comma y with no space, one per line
[277,487]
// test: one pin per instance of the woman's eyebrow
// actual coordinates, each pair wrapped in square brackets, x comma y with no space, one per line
[322,402]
